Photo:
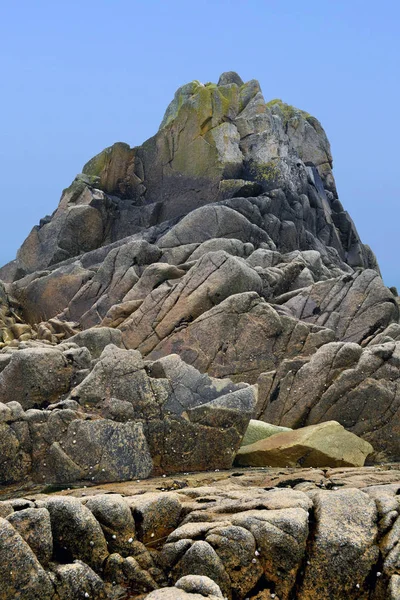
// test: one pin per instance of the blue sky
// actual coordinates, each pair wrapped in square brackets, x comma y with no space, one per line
[79,76]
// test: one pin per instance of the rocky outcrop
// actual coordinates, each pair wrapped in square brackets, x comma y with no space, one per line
[114,418]
[215,142]
[221,240]
[341,381]
[181,288]
[208,536]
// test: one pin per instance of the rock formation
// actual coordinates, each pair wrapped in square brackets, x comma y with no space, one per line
[181,288]
[305,534]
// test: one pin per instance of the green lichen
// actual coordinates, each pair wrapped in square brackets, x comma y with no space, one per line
[264,173]
[287,110]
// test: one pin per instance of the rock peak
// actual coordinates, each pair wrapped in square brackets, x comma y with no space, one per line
[230,77]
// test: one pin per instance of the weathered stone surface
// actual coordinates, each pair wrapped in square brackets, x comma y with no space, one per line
[33,525]
[21,575]
[158,515]
[257,542]
[96,339]
[324,445]
[46,295]
[78,580]
[124,420]
[341,382]
[241,338]
[116,275]
[199,584]
[341,556]
[35,377]
[76,533]
[355,306]
[176,594]
[212,279]
[177,404]
[100,450]
[116,520]
[258,430]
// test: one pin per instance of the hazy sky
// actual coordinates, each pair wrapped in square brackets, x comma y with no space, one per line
[79,76]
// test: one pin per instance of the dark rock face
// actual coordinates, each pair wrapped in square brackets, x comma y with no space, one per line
[185,286]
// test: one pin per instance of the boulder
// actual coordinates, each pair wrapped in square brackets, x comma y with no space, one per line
[34,526]
[325,445]
[199,584]
[76,533]
[258,430]
[36,377]
[116,520]
[96,339]
[78,580]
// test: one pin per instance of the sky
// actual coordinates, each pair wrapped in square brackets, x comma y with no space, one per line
[78,76]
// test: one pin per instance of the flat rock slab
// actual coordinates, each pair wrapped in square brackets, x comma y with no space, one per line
[323,445]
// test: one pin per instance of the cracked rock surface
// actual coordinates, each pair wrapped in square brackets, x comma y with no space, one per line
[268,533]
[182,288]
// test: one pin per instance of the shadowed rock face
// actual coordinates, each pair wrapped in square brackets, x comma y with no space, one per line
[175,277]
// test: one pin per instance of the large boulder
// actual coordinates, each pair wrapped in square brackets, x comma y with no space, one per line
[324,445]
[36,377]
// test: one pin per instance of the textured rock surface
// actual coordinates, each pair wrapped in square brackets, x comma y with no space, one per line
[221,240]
[126,419]
[325,445]
[181,288]
[318,533]
[258,430]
